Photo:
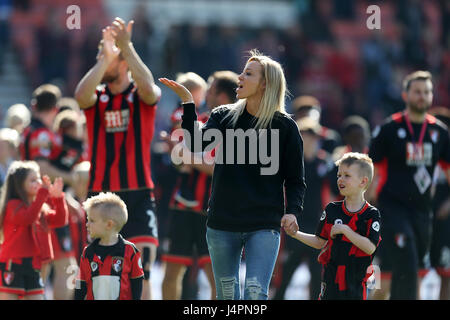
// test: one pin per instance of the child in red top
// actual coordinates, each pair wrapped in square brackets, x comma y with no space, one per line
[29,206]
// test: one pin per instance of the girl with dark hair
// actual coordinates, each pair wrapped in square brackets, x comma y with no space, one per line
[29,206]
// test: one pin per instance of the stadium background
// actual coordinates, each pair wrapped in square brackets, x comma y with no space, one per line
[325,47]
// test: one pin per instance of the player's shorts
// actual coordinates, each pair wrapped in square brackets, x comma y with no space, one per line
[440,247]
[187,239]
[62,243]
[142,225]
[20,278]
[406,237]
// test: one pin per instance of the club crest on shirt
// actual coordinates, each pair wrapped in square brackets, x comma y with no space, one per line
[338,221]
[130,97]
[376,226]
[8,277]
[323,216]
[117,264]
[104,98]
[94,266]
[434,135]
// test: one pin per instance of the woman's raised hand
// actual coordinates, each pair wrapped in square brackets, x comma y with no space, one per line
[180,90]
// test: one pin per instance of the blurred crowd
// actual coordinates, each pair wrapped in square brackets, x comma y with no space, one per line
[329,53]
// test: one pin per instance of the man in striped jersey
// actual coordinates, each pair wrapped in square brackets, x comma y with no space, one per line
[118,96]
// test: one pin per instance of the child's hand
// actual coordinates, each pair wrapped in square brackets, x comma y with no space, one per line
[46,182]
[56,189]
[290,232]
[338,229]
[289,223]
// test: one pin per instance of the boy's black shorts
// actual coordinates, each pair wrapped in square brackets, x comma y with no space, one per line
[406,237]
[142,225]
[20,278]
[187,238]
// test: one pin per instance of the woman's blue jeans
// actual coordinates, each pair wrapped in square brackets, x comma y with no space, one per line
[261,251]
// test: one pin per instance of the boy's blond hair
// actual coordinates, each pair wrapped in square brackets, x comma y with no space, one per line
[275,92]
[363,161]
[109,206]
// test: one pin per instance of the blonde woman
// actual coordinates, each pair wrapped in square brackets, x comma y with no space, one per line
[248,203]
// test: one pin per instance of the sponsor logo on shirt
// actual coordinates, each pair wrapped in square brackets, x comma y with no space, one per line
[117,120]
[117,263]
[419,154]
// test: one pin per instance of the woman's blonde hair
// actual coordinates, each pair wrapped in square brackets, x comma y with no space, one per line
[275,92]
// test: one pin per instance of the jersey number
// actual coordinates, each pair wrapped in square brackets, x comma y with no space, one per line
[152,223]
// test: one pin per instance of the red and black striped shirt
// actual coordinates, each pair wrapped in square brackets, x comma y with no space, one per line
[120,130]
[39,142]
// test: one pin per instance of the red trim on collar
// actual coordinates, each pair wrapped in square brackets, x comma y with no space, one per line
[431,119]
